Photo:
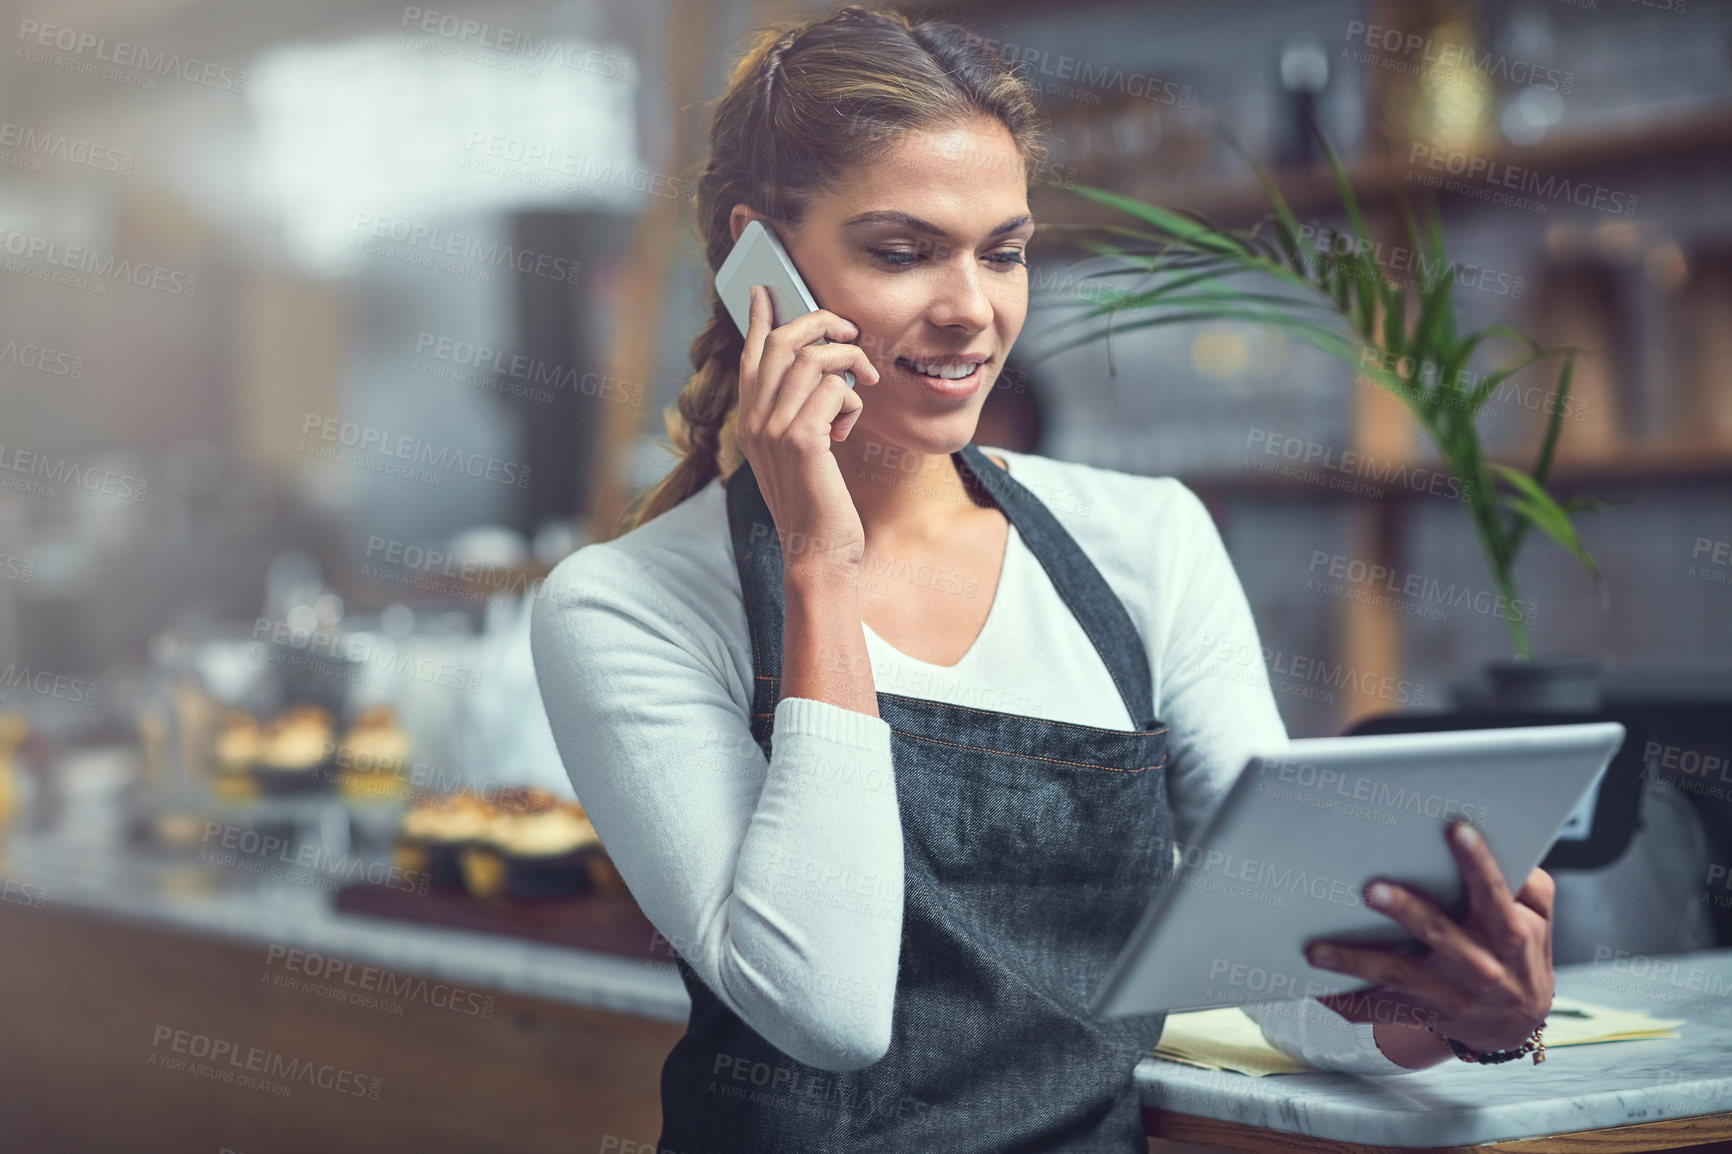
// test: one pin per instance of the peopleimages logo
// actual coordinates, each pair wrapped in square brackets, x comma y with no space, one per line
[366,439]
[38,473]
[1349,463]
[1691,770]
[421,567]
[441,243]
[1668,971]
[109,267]
[1303,673]
[276,856]
[552,161]
[530,371]
[1503,175]
[23,894]
[1718,565]
[1401,259]
[323,975]
[1466,383]
[1042,63]
[1448,55]
[1328,782]
[513,42]
[795,1086]
[42,359]
[33,35]
[225,1058]
[1264,882]
[73,690]
[371,662]
[34,147]
[1361,575]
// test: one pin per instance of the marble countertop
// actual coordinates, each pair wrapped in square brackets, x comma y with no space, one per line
[1577,1088]
[1590,1087]
[293,910]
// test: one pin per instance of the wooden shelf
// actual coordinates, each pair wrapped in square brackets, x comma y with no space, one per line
[1376,181]
[1659,464]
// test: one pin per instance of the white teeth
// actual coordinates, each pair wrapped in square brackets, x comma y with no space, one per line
[948,372]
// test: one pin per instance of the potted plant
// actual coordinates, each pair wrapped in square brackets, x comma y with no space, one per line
[1180,268]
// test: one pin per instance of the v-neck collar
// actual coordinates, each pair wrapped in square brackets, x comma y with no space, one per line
[1011,540]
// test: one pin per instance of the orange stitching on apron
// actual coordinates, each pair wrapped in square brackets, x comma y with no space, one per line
[1042,720]
[1030,756]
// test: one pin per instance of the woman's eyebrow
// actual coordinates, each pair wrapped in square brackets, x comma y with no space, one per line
[893,216]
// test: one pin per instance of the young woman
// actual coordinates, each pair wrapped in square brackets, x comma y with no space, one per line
[892,737]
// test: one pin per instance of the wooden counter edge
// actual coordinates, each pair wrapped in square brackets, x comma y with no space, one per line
[1668,1134]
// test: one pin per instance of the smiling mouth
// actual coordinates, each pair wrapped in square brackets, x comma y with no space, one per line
[943,368]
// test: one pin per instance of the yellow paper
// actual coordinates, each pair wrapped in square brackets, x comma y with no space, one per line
[1226,1039]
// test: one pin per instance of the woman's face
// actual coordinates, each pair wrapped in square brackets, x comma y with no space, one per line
[922,248]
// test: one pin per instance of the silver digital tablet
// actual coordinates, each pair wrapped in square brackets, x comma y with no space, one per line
[1285,858]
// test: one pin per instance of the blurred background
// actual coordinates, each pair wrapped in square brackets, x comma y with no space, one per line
[327,329]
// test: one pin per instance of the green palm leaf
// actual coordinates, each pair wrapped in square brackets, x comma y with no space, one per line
[1335,298]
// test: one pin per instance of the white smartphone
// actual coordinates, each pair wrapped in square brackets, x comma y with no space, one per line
[759,258]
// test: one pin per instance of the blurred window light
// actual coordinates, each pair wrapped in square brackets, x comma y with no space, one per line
[1304,63]
[376,129]
[1531,115]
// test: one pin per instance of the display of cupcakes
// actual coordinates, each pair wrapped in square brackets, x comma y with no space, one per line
[235,754]
[295,751]
[373,757]
[435,833]
[527,843]
[547,848]
[482,861]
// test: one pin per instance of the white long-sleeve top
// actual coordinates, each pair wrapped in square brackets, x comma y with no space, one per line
[779,880]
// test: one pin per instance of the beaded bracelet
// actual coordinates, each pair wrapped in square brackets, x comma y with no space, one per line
[1535,1045]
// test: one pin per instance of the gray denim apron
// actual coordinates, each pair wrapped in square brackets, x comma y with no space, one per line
[1031,849]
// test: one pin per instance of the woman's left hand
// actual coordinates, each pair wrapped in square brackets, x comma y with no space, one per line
[1487,981]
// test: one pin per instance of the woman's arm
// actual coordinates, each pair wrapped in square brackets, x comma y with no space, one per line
[1216,696]
[779,881]
[824,655]
[1214,690]
[793,407]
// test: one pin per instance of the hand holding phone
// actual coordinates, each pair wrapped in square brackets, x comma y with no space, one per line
[793,407]
[793,410]
[759,258]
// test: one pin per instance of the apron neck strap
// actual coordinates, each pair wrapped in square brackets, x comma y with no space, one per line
[758,557]
[1091,600]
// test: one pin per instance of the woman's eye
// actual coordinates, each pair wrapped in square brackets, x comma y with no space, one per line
[895,256]
[901,258]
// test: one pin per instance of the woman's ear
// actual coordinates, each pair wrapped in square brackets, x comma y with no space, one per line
[742,215]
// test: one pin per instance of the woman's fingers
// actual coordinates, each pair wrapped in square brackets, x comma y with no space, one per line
[1486,979]
[1453,950]
[793,402]
[810,366]
[1491,909]
[1538,893]
[835,403]
[752,356]
[1397,973]
[783,345]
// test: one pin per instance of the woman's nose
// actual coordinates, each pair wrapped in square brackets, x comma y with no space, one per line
[961,299]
